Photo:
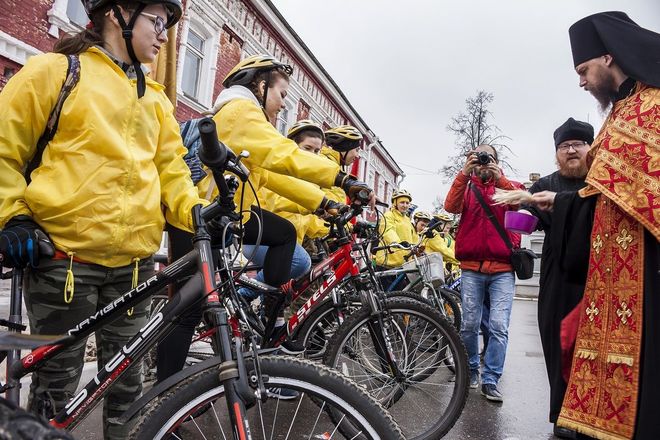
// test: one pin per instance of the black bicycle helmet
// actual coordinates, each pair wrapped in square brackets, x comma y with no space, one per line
[174,8]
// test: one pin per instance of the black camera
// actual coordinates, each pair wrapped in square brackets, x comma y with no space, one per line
[484,158]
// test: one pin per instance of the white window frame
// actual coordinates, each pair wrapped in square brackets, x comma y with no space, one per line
[211,36]
[59,20]
[284,118]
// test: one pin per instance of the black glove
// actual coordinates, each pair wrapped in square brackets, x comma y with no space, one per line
[351,185]
[216,227]
[328,206]
[22,242]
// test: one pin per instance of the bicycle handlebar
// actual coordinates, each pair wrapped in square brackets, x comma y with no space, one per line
[215,155]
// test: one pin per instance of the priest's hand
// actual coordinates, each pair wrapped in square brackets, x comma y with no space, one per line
[544,200]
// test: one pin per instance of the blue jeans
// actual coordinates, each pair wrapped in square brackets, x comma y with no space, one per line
[300,264]
[500,288]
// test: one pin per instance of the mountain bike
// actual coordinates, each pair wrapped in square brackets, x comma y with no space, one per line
[225,395]
[425,275]
[406,353]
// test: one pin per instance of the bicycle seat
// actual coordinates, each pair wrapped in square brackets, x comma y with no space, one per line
[11,340]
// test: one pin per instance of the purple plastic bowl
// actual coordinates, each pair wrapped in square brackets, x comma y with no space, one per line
[519,222]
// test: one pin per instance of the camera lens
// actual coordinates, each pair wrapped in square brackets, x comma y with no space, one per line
[483,158]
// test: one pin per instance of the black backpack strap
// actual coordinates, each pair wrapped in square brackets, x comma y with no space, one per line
[491,216]
[72,77]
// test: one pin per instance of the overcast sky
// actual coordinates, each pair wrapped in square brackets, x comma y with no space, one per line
[407,67]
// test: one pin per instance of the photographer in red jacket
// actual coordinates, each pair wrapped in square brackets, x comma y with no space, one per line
[485,264]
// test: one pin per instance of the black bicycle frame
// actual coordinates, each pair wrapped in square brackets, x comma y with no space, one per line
[201,286]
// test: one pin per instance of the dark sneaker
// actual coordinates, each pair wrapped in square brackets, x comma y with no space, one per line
[474,380]
[489,390]
[561,432]
[283,393]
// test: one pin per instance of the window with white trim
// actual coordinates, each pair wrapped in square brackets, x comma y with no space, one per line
[283,121]
[198,53]
[193,65]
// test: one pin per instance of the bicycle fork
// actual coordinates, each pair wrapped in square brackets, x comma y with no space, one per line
[232,373]
[380,334]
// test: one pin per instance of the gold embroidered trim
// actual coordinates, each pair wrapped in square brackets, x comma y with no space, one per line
[588,430]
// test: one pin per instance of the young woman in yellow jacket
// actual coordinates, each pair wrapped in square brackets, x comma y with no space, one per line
[245,111]
[115,160]
[308,135]
[395,227]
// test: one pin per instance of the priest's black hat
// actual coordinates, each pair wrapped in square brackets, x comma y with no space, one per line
[635,49]
[574,130]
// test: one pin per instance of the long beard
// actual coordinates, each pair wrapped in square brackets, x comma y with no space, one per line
[604,92]
[573,172]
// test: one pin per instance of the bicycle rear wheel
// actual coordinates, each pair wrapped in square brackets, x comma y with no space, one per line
[327,406]
[427,397]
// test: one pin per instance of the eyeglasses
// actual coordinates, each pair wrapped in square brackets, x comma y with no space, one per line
[573,145]
[159,23]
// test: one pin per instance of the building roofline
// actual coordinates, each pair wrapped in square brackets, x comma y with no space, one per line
[353,112]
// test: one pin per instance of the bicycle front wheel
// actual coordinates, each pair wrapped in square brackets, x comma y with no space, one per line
[424,394]
[319,404]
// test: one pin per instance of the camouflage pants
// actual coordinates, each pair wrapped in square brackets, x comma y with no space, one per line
[95,287]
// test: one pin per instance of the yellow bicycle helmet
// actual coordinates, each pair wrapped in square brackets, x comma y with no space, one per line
[343,138]
[244,72]
[304,125]
[422,215]
[443,217]
[399,193]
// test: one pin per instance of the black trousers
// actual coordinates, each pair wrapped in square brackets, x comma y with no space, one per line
[280,237]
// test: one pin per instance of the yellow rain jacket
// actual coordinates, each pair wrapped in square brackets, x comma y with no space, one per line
[335,193]
[114,161]
[439,244]
[242,125]
[395,228]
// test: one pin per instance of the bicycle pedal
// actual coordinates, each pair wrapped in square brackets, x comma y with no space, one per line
[12,325]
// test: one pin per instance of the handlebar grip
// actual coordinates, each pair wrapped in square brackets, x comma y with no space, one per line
[363,196]
[212,153]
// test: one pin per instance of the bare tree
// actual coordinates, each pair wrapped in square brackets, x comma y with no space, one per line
[472,127]
[438,204]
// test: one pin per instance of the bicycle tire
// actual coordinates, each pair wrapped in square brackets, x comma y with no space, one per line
[18,424]
[195,395]
[416,424]
[452,306]
[317,329]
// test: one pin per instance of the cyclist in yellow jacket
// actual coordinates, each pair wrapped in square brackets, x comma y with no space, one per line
[255,90]
[308,135]
[437,243]
[395,227]
[114,161]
